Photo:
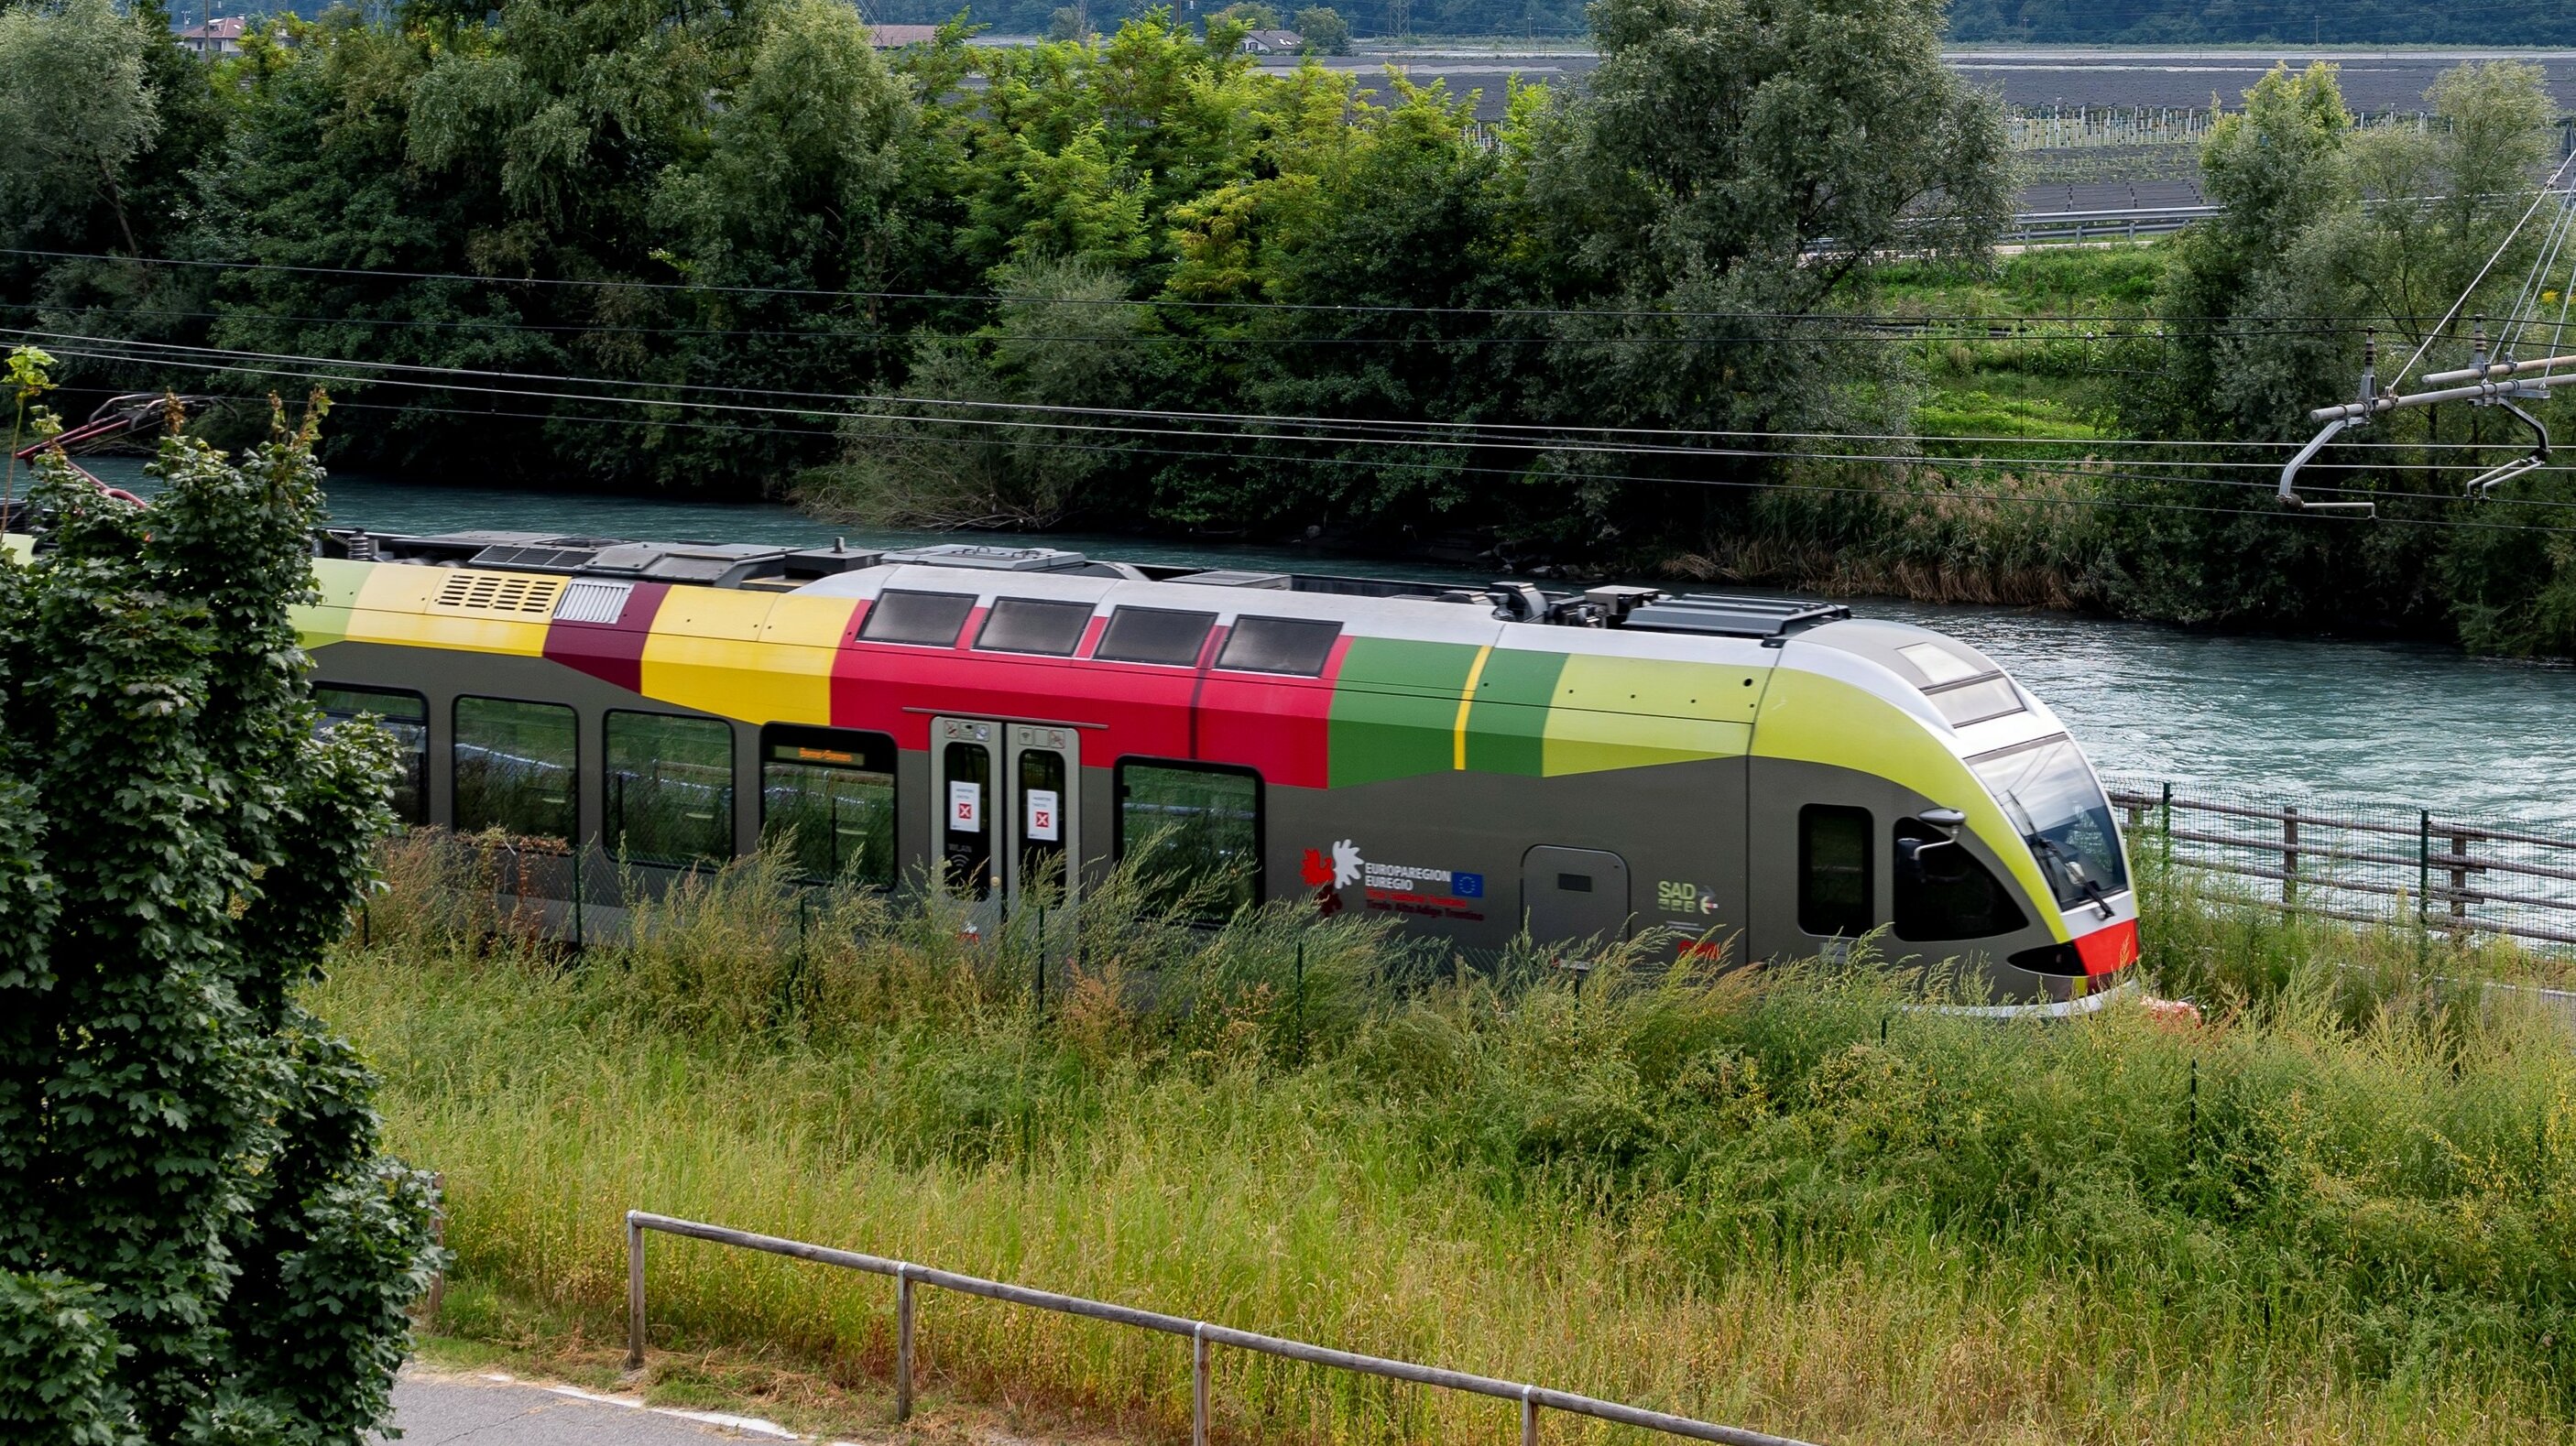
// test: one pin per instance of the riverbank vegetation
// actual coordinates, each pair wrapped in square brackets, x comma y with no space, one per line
[2335,1209]
[1701,314]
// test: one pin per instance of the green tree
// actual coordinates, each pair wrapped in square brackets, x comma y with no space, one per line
[1244,15]
[1724,189]
[2326,232]
[688,189]
[1084,149]
[1323,30]
[2275,169]
[193,1199]
[78,106]
[1065,335]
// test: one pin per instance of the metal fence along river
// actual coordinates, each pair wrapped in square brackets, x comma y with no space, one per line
[2373,865]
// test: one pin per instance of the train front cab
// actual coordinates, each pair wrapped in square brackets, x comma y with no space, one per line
[1904,789]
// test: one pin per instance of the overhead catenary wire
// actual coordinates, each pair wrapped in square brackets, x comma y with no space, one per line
[1722,483]
[2433,332]
[1443,433]
[2064,468]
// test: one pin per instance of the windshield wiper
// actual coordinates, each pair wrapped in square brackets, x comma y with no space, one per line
[2071,868]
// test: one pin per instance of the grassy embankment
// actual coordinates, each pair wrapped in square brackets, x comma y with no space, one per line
[2341,1210]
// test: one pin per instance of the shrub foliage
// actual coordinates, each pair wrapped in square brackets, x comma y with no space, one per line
[200,1237]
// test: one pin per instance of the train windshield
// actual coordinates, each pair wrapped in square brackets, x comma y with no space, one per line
[2052,798]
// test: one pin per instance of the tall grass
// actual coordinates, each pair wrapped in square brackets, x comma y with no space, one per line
[2342,1208]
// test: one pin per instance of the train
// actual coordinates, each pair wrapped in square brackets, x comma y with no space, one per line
[1748,778]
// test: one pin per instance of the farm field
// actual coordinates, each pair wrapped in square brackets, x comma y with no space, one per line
[2143,176]
[2334,1211]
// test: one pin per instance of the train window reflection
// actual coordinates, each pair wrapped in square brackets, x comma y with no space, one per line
[830,797]
[1279,645]
[1834,880]
[1194,834]
[932,619]
[513,766]
[1944,892]
[406,717]
[1034,625]
[1154,635]
[669,785]
[2051,796]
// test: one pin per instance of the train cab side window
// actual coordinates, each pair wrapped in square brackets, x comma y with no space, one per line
[1154,635]
[406,717]
[668,792]
[829,796]
[1193,834]
[1944,892]
[1279,645]
[928,619]
[513,767]
[1834,875]
[1034,625]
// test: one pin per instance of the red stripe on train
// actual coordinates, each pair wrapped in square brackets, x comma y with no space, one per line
[2109,950]
[610,652]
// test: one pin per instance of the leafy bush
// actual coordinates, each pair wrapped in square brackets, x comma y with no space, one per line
[191,1186]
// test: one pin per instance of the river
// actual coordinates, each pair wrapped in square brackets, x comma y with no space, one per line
[2394,725]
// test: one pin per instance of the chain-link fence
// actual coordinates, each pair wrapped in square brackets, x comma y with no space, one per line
[2363,862]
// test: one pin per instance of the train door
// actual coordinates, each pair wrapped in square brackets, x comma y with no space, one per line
[1816,841]
[1572,898]
[1045,767]
[1008,797]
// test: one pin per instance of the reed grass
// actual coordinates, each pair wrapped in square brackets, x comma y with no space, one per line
[2341,1208]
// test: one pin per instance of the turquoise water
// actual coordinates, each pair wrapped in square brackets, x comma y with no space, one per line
[2384,724]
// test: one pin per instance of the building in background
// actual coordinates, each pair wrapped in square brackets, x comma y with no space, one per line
[895,37]
[220,35]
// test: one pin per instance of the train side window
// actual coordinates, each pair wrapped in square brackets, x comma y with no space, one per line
[669,788]
[513,767]
[1034,625]
[1944,892]
[1154,635]
[930,619]
[406,717]
[830,797]
[1279,645]
[1193,832]
[1834,879]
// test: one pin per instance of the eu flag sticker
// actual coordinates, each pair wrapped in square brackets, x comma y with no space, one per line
[1467,886]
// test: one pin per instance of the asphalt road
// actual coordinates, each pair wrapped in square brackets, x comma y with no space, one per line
[436,1410]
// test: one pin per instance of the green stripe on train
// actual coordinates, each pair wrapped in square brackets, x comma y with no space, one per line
[1395,709]
[1507,728]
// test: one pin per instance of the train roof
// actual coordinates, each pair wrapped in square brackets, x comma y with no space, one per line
[845,571]
[1942,680]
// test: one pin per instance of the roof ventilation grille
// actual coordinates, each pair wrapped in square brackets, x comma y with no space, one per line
[587,601]
[487,592]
